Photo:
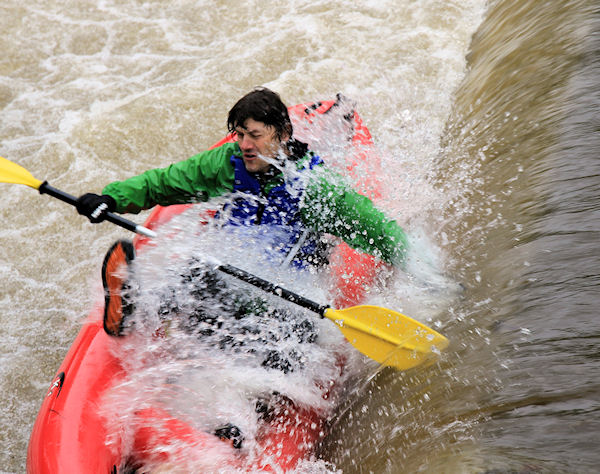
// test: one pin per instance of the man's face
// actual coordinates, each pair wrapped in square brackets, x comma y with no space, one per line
[257,141]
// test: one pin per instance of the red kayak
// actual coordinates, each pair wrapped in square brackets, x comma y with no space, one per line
[76,432]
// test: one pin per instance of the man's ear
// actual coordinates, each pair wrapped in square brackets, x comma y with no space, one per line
[286,135]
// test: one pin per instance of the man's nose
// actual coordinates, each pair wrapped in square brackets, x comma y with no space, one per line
[245,143]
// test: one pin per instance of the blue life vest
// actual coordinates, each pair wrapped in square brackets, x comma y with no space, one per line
[278,208]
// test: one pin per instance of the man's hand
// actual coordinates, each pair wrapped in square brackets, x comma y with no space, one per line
[95,206]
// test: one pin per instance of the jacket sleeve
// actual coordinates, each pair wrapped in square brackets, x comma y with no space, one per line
[336,209]
[198,178]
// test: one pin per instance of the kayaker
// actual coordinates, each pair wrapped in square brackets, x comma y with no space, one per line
[274,180]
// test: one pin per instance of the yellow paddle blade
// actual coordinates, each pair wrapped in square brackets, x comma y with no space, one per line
[387,336]
[13,173]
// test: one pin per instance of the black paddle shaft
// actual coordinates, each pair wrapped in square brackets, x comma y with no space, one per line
[273,289]
[45,188]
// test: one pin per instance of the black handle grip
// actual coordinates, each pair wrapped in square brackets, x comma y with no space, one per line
[45,188]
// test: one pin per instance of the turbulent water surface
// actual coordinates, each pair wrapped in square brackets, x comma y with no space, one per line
[486,118]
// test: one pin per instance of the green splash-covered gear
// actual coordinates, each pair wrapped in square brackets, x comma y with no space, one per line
[326,206]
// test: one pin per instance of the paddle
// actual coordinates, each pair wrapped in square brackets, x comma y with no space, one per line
[12,173]
[384,335]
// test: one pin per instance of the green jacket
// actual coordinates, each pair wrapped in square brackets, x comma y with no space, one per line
[327,205]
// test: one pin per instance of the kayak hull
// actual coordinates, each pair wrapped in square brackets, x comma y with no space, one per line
[71,434]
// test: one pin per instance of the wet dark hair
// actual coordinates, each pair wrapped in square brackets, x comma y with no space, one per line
[262,105]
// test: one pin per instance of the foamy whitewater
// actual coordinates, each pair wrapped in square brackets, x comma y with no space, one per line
[215,371]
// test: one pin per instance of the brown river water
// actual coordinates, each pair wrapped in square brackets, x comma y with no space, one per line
[487,118]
